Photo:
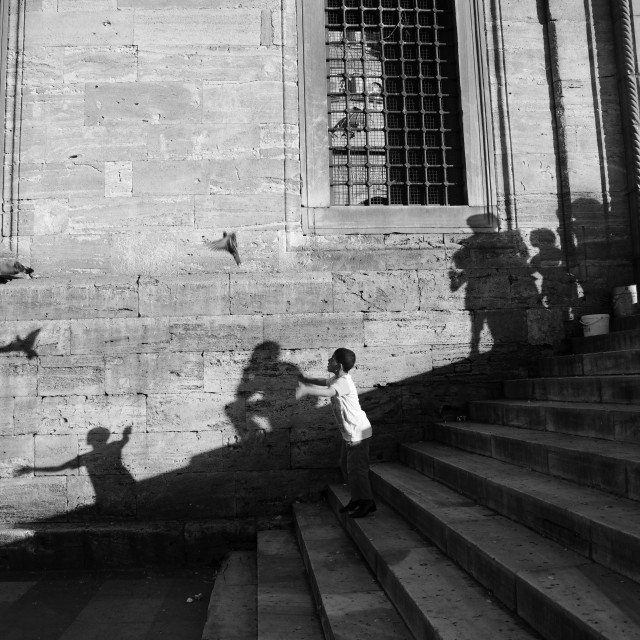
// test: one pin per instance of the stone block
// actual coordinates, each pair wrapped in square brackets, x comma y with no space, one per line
[71,375]
[243,102]
[151,252]
[56,455]
[79,414]
[262,371]
[315,330]
[237,211]
[147,455]
[86,5]
[27,415]
[119,335]
[212,141]
[376,291]
[270,495]
[248,176]
[96,144]
[224,64]
[61,179]
[154,373]
[217,412]
[187,496]
[118,179]
[120,215]
[136,102]
[41,67]
[277,293]
[33,145]
[201,295]
[100,64]
[236,27]
[417,329]
[389,365]
[34,338]
[61,255]
[80,297]
[15,452]
[29,499]
[18,377]
[545,326]
[171,177]
[7,408]
[60,107]
[86,28]
[107,497]
[215,333]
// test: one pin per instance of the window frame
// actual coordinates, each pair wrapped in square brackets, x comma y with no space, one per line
[319,217]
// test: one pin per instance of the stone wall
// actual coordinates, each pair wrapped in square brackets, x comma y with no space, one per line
[146,377]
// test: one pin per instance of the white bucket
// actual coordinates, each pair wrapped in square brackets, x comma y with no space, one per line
[623,300]
[595,324]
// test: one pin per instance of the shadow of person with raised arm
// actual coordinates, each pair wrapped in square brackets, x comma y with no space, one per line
[113,484]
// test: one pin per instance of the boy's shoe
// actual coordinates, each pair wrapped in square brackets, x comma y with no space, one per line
[363,509]
[351,506]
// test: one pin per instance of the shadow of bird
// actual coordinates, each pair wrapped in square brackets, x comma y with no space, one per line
[228,243]
[10,269]
[27,344]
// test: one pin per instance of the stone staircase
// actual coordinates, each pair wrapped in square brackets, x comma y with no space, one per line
[522,522]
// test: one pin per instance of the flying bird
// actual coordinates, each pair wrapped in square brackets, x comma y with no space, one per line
[10,268]
[229,243]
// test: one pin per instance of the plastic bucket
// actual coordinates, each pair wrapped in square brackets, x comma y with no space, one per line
[624,299]
[595,324]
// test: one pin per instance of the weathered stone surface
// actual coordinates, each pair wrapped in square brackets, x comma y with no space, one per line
[78,414]
[265,494]
[246,102]
[233,211]
[32,339]
[109,28]
[217,412]
[118,179]
[545,326]
[215,333]
[171,177]
[86,5]
[15,452]
[237,27]
[94,64]
[54,106]
[246,176]
[26,499]
[61,255]
[376,291]
[315,330]
[56,454]
[281,293]
[199,295]
[58,179]
[119,335]
[202,142]
[151,252]
[115,499]
[57,298]
[18,377]
[135,102]
[7,407]
[165,62]
[71,375]
[154,373]
[388,365]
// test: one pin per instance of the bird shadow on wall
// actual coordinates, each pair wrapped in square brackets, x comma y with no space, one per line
[26,345]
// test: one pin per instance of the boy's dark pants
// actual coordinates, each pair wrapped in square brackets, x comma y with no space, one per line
[354,462]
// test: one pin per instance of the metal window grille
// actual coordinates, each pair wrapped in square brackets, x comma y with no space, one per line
[394,104]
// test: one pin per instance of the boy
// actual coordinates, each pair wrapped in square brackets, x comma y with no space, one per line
[354,425]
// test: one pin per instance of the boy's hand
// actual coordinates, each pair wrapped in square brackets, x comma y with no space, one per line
[301,391]
[22,471]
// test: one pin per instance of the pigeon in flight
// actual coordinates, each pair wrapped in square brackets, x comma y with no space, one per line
[229,243]
[10,268]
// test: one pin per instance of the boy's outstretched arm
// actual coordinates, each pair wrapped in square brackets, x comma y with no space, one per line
[321,382]
[314,390]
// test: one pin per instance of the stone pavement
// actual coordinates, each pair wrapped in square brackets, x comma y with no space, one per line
[91,606]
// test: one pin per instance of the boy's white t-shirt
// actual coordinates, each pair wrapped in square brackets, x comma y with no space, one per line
[353,421]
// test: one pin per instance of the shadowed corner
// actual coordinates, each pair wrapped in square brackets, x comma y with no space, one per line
[26,345]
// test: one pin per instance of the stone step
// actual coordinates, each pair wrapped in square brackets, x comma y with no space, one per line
[436,598]
[558,592]
[616,341]
[606,465]
[600,526]
[611,389]
[626,323]
[592,364]
[598,420]
[285,604]
[351,603]
[232,613]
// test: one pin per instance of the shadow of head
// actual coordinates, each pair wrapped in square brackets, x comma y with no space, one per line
[98,437]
